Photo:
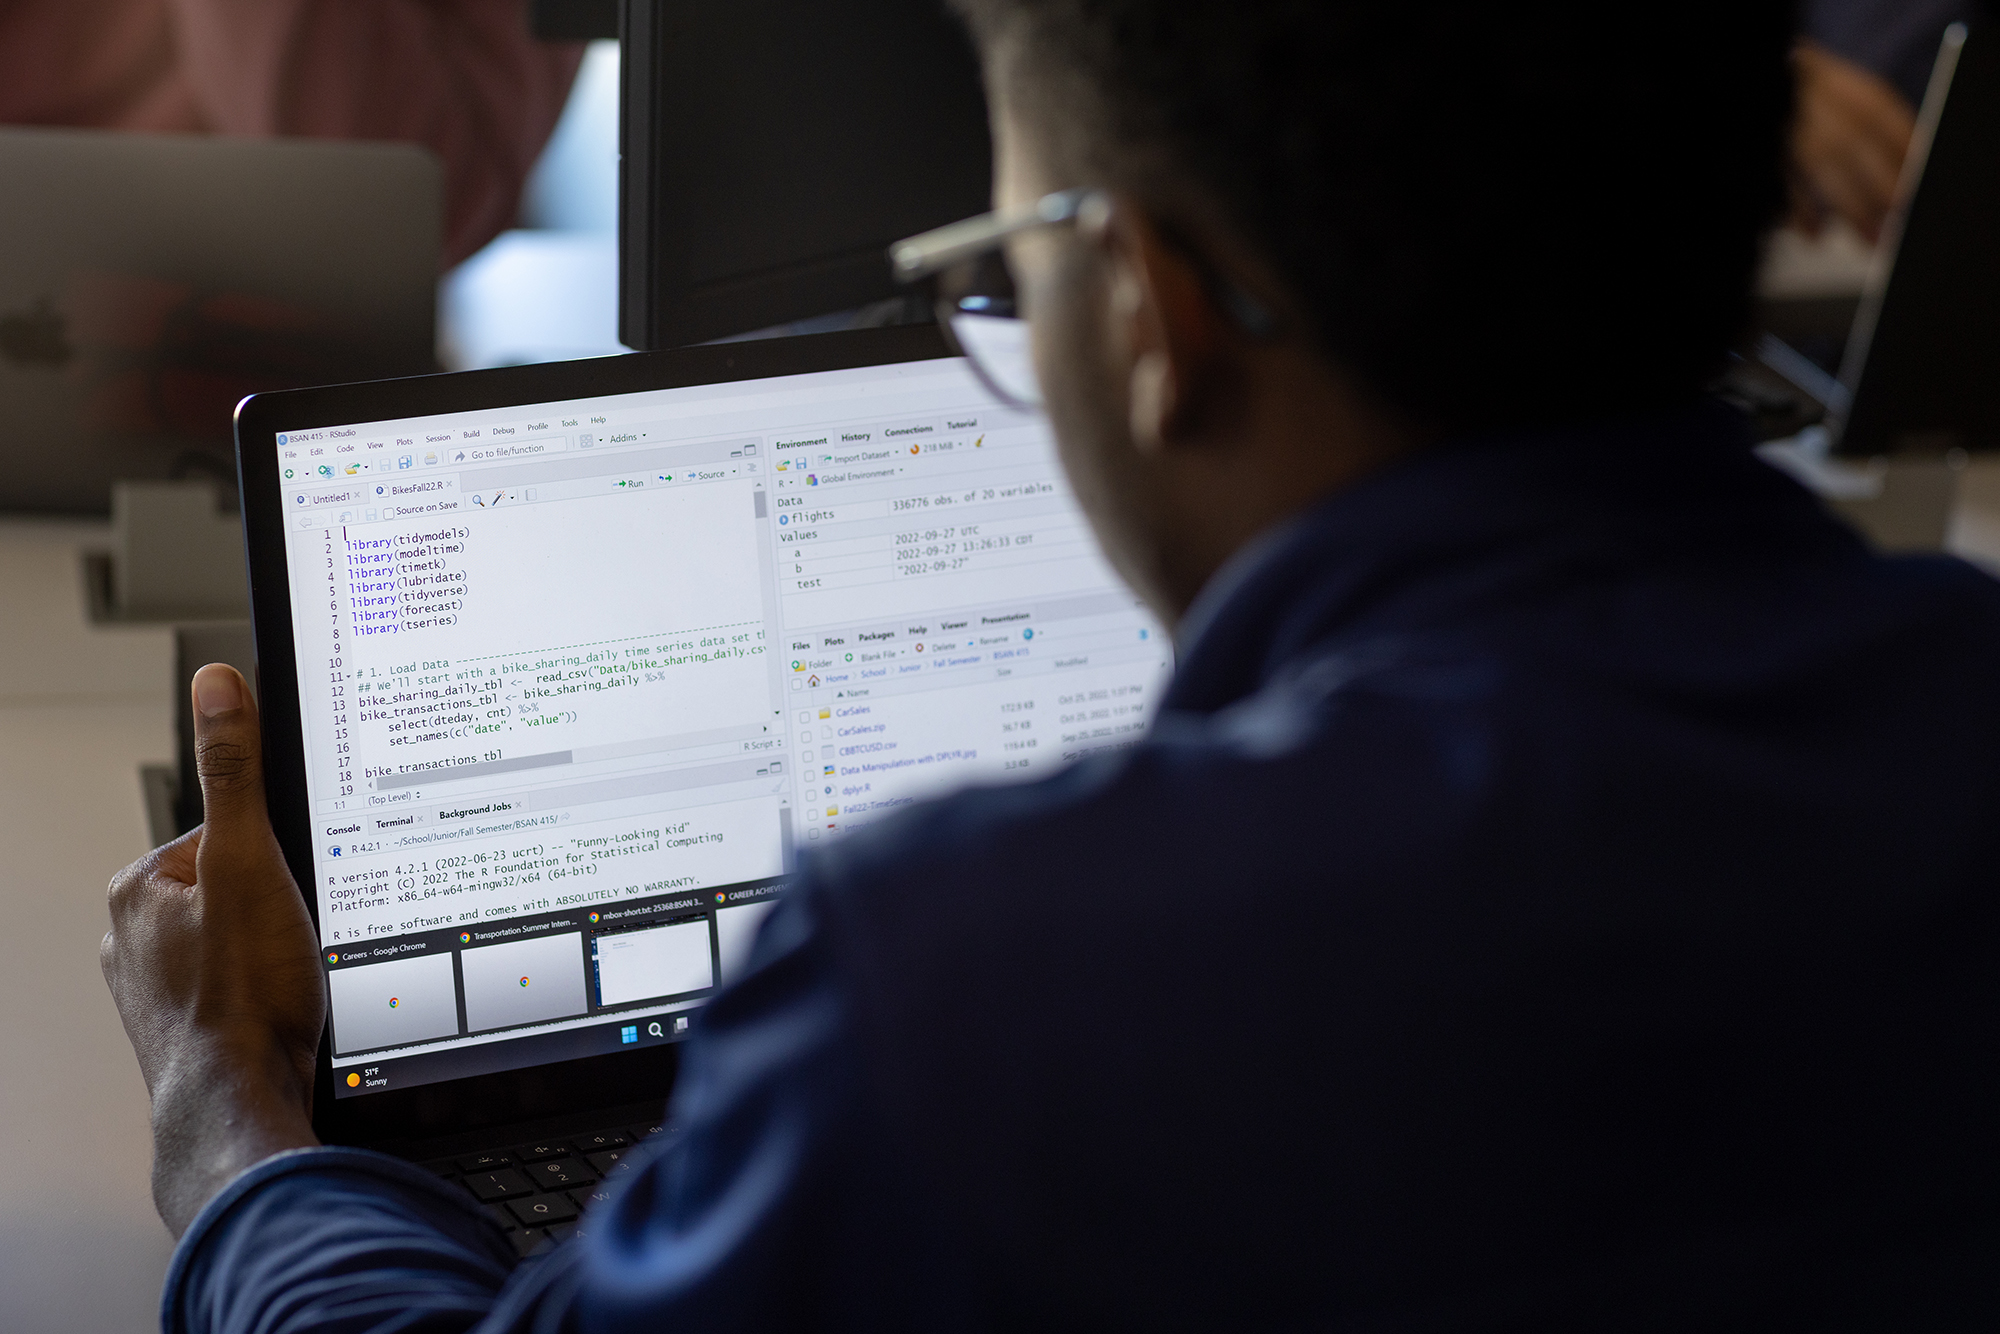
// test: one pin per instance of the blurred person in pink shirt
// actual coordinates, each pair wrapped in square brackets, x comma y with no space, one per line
[464,78]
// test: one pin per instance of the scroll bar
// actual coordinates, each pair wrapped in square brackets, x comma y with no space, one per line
[384,782]
[767,569]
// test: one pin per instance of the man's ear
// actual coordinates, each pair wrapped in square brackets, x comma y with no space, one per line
[1171,329]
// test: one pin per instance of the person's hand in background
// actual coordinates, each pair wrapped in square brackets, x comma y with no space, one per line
[1848,143]
[213,962]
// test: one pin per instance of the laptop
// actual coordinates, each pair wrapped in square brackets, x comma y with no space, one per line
[1922,367]
[563,666]
[148,282]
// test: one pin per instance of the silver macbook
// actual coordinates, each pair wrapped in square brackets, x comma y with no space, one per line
[149,282]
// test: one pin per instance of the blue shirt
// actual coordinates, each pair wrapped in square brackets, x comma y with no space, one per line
[1558,891]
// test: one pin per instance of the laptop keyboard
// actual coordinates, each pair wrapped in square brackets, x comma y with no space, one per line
[542,1193]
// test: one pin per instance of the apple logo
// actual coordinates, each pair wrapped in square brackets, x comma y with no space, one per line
[35,336]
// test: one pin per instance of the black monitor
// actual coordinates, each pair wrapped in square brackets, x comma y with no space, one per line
[1922,371]
[771,150]
[573,20]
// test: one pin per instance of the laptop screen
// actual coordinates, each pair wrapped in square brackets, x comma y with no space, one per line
[579,680]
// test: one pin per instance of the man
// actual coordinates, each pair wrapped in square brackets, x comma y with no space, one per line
[461,77]
[1556,893]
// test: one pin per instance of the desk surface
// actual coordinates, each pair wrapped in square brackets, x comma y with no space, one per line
[81,708]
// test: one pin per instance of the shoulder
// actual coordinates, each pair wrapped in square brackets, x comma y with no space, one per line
[1323,754]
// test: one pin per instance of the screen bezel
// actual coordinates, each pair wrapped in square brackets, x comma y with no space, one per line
[615,1079]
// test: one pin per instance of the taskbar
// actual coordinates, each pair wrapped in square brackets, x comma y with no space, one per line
[646,1026]
[601,1030]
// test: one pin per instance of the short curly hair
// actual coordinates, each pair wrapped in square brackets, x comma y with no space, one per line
[1497,214]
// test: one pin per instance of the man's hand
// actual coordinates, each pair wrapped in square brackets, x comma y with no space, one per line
[214,966]
[1848,143]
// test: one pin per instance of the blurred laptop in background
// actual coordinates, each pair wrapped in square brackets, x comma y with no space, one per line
[149,282]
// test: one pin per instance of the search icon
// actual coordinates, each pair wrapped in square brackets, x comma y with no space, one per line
[653,1030]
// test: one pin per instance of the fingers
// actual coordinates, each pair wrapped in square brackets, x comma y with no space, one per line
[1859,192]
[1852,134]
[1807,216]
[135,896]
[1874,112]
[171,864]
[1868,170]
[229,755]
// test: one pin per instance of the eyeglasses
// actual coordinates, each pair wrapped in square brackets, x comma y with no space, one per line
[965,266]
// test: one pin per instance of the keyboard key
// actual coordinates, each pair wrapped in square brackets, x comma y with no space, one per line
[484,1162]
[534,1153]
[542,1210]
[502,1217]
[525,1239]
[601,1162]
[590,1196]
[642,1132]
[603,1139]
[558,1173]
[561,1232]
[498,1185]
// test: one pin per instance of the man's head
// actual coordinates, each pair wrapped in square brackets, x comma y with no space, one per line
[1465,217]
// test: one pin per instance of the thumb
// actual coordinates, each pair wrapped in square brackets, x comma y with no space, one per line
[229,753]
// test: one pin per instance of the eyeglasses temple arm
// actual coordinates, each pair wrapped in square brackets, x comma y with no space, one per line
[920,256]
